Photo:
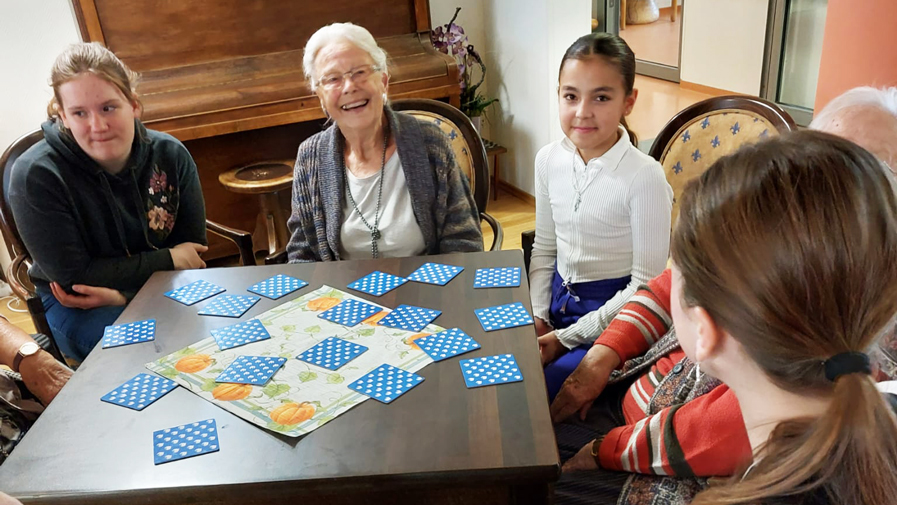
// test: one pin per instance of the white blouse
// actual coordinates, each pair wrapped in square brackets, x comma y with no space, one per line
[621,226]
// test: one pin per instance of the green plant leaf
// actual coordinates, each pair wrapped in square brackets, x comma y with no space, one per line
[168,372]
[307,376]
[185,351]
[274,389]
[209,384]
[367,332]
[335,378]
[288,327]
[313,329]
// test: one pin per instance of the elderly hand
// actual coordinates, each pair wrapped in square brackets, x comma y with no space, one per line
[88,297]
[186,256]
[583,460]
[585,384]
[44,376]
[542,326]
[550,348]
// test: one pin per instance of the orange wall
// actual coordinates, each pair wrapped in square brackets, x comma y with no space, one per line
[859,47]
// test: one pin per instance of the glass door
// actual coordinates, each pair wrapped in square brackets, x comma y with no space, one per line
[795,30]
[652,28]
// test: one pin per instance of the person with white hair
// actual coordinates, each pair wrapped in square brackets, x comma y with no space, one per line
[376,183]
[866,116]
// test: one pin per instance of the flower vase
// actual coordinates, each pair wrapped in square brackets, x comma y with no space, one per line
[477,123]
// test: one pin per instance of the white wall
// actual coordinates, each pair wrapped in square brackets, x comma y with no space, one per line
[526,40]
[32,34]
[722,43]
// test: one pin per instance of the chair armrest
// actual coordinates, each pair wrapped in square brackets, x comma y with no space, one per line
[278,258]
[242,239]
[498,235]
[19,289]
[527,239]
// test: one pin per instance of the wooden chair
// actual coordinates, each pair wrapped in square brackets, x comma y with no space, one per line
[17,275]
[470,152]
[700,135]
[708,130]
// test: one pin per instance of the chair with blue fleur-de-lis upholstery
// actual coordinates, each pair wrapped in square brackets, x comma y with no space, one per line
[703,133]
[468,147]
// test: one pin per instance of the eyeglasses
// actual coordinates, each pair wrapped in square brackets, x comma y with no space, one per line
[357,74]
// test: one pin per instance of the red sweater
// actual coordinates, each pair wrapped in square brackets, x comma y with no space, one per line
[704,437]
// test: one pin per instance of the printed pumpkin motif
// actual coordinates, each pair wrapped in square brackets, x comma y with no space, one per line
[373,320]
[292,413]
[193,363]
[410,340]
[231,392]
[323,303]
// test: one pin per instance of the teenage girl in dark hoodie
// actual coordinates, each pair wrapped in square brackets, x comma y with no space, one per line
[101,203]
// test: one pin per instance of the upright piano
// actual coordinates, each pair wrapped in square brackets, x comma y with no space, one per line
[225,76]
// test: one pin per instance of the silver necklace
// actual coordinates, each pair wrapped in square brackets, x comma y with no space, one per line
[375,230]
[577,184]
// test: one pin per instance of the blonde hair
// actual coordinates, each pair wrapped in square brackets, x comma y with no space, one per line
[336,32]
[96,59]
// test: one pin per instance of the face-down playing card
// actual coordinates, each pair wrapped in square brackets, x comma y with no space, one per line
[140,391]
[277,286]
[447,344]
[194,292]
[503,316]
[130,333]
[386,383]
[239,334]
[255,370]
[332,353]
[349,312]
[185,441]
[409,317]
[435,273]
[377,283]
[490,370]
[229,305]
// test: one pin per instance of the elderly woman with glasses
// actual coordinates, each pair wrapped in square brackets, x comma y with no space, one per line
[376,183]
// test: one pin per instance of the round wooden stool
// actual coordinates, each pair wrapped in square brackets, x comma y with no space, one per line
[265,179]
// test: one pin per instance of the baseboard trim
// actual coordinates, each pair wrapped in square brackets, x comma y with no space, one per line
[700,88]
[517,192]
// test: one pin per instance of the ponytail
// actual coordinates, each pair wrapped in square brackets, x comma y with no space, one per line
[848,455]
[633,137]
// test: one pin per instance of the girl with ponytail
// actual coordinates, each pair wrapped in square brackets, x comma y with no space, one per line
[784,276]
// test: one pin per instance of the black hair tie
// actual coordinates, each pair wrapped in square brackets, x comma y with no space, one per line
[846,363]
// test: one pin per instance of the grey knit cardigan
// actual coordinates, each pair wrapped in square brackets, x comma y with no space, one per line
[440,192]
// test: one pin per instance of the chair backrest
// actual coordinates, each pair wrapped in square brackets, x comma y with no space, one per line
[14,243]
[466,143]
[701,134]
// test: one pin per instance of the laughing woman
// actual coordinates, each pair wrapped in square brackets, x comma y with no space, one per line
[376,183]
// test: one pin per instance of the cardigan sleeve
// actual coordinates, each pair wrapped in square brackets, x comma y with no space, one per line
[301,224]
[457,218]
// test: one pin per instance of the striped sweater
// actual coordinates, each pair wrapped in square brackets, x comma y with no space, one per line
[702,437]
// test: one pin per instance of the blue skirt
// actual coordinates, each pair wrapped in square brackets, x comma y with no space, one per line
[569,303]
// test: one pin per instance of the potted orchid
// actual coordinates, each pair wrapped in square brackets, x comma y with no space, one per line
[451,40]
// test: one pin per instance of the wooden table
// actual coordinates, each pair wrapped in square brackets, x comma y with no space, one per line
[440,443]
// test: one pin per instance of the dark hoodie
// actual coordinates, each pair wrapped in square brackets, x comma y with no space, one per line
[83,225]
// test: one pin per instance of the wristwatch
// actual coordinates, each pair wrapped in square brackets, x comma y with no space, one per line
[596,444]
[27,349]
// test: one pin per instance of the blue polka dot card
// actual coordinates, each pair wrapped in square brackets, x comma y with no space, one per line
[377,283]
[490,370]
[131,333]
[447,344]
[185,441]
[508,277]
[349,312]
[435,273]
[139,392]
[409,317]
[229,305]
[503,316]
[239,334]
[386,383]
[194,292]
[278,286]
[255,370]
[332,353]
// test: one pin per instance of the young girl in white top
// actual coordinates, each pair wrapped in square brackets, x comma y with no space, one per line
[602,207]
